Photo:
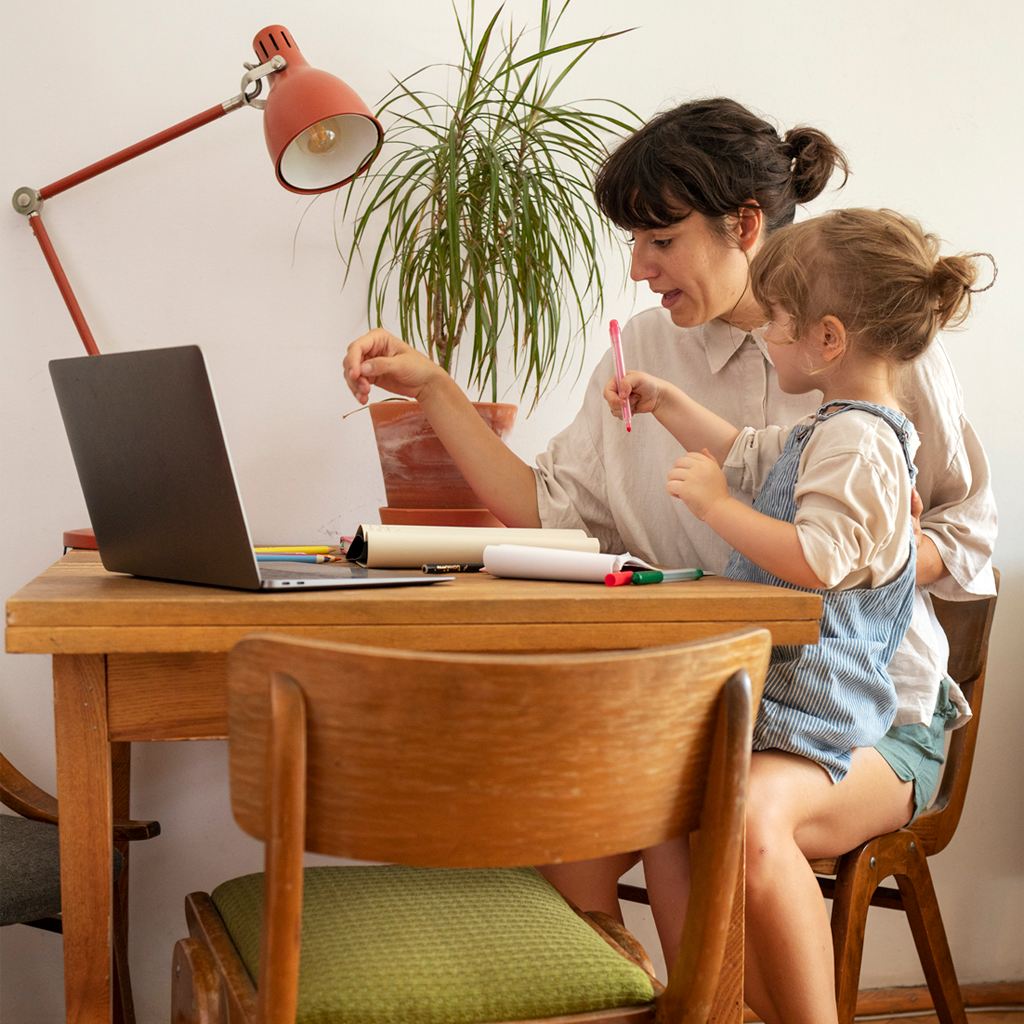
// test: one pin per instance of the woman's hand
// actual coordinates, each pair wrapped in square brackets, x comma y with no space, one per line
[382,359]
[699,481]
[641,390]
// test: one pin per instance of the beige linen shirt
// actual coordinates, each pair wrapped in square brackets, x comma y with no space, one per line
[597,477]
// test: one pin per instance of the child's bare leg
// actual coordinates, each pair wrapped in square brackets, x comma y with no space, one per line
[667,875]
[794,812]
[591,884]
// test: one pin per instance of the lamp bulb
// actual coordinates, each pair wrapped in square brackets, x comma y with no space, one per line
[321,137]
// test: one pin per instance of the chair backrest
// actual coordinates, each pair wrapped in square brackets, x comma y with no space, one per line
[466,760]
[967,625]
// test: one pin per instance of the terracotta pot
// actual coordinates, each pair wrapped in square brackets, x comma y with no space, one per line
[438,517]
[418,472]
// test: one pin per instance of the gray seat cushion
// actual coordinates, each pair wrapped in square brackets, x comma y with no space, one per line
[30,870]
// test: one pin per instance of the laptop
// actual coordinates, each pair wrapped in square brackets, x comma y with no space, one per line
[158,480]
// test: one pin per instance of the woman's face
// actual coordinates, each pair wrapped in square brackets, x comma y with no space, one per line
[699,274]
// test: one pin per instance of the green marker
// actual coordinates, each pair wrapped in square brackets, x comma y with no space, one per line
[666,575]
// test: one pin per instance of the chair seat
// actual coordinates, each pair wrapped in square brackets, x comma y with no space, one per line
[29,870]
[438,946]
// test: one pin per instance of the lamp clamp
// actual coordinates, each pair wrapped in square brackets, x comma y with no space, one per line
[253,77]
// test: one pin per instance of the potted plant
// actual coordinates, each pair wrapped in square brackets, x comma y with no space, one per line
[478,223]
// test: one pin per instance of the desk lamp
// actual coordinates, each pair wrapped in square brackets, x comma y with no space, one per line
[319,133]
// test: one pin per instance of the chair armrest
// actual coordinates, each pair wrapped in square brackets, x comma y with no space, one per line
[126,831]
[24,796]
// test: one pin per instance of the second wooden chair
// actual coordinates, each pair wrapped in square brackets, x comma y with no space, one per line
[30,872]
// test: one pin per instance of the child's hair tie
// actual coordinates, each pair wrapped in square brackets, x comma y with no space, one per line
[995,270]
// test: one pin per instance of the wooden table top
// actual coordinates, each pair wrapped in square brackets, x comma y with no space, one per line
[77,607]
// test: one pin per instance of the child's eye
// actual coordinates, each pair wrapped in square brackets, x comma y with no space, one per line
[661,243]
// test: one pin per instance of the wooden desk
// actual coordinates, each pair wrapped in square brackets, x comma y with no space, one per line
[142,660]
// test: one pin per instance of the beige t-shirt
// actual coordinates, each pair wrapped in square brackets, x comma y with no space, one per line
[852,493]
[597,477]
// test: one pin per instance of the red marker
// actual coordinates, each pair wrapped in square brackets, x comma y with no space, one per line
[620,370]
[616,579]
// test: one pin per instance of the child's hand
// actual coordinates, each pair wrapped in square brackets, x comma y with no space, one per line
[641,390]
[698,480]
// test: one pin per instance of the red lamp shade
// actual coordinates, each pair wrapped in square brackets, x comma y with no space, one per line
[319,132]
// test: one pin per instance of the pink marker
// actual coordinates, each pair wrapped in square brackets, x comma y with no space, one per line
[620,369]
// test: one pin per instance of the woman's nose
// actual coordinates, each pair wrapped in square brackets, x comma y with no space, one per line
[640,269]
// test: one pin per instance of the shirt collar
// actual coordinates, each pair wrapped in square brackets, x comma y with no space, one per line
[722,341]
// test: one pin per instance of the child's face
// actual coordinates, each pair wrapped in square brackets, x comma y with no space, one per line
[793,358]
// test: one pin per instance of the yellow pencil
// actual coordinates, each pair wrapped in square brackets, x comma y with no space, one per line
[302,549]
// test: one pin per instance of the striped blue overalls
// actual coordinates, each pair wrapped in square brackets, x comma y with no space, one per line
[821,700]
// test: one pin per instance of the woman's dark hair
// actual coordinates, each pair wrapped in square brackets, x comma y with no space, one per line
[713,156]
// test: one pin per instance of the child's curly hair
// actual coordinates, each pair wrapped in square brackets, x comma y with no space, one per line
[876,271]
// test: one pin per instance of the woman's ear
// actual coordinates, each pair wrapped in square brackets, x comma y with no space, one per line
[749,226]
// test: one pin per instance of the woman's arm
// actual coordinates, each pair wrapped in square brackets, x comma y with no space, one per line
[930,566]
[503,482]
[954,480]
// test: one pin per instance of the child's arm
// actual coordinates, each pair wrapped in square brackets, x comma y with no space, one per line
[692,425]
[769,543]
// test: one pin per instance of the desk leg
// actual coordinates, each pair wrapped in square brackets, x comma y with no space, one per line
[84,790]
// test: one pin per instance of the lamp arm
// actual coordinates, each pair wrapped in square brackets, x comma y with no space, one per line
[64,286]
[29,202]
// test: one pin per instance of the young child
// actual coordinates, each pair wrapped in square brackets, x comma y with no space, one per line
[850,297]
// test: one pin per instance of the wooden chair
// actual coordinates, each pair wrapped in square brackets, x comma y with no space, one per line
[855,879]
[30,879]
[464,768]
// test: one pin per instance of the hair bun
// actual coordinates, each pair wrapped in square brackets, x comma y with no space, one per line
[953,278]
[814,158]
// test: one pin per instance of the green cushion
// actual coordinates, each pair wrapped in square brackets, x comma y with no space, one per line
[437,946]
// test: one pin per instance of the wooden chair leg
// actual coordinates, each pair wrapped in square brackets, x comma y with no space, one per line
[122,1004]
[195,985]
[856,881]
[121,990]
[922,909]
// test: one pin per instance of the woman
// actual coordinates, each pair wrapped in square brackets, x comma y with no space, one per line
[699,188]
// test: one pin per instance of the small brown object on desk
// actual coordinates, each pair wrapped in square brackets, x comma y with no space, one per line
[138,660]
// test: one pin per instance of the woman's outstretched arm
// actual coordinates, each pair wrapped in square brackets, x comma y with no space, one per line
[503,482]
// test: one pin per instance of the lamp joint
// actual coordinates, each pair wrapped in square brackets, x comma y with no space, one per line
[26,201]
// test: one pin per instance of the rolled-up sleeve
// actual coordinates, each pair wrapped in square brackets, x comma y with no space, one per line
[954,479]
[752,455]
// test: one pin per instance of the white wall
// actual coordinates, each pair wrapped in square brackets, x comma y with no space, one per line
[198,243]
